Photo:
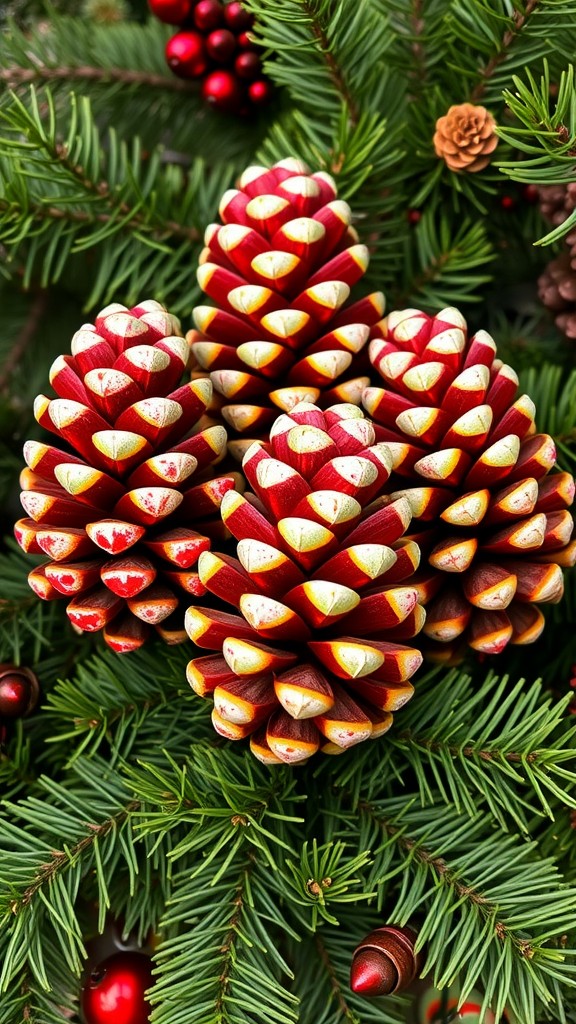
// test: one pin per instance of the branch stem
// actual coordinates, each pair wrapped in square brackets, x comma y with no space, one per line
[14,77]
[519,19]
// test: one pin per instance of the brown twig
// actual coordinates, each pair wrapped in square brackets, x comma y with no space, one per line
[455,751]
[25,336]
[225,948]
[22,76]
[519,19]
[335,985]
[333,66]
[446,875]
[41,212]
[60,858]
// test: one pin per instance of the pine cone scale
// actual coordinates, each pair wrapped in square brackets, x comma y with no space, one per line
[491,490]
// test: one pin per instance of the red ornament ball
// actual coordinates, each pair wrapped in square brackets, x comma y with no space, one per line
[114,992]
[19,691]
[173,12]
[237,17]
[186,55]
[247,65]
[208,15]
[220,45]
[244,41]
[223,90]
[260,92]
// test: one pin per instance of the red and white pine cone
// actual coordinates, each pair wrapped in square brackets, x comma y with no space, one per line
[125,508]
[313,654]
[280,269]
[490,515]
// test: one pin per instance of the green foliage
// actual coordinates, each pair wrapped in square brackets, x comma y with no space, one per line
[259,883]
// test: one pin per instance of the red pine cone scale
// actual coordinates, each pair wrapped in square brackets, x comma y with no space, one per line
[490,517]
[112,518]
[311,654]
[280,269]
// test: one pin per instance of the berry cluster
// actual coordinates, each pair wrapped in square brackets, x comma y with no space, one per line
[214,45]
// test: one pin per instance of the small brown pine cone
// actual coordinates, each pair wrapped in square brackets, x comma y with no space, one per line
[490,514]
[566,322]
[552,284]
[465,137]
[553,203]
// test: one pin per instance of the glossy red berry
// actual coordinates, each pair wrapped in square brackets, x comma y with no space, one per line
[507,202]
[244,41]
[186,55]
[19,691]
[114,992]
[208,15]
[223,91]
[237,17]
[414,216]
[248,65]
[220,45]
[260,92]
[173,12]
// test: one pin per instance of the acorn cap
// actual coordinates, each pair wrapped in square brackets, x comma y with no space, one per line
[384,962]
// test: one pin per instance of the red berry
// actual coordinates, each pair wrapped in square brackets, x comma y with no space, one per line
[531,193]
[174,12]
[247,64]
[237,17]
[186,55]
[114,992]
[414,216]
[244,41]
[507,202]
[221,45]
[19,691]
[223,90]
[260,91]
[208,15]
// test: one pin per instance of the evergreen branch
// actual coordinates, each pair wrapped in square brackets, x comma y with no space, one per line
[519,21]
[227,948]
[346,1012]
[62,859]
[25,336]
[470,751]
[336,73]
[137,222]
[16,76]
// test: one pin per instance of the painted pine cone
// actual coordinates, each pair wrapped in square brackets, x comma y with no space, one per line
[490,517]
[313,656]
[280,270]
[125,510]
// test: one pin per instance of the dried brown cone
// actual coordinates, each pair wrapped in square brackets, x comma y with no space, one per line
[489,514]
[124,509]
[557,202]
[280,269]
[557,291]
[465,137]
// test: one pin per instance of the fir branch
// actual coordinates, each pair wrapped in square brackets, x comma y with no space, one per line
[25,336]
[346,1012]
[17,76]
[138,222]
[519,22]
[62,859]
[228,947]
[336,72]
